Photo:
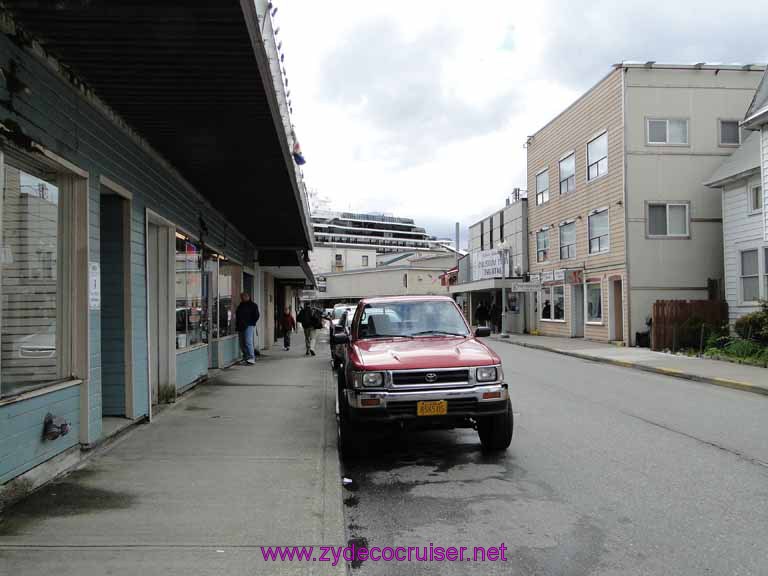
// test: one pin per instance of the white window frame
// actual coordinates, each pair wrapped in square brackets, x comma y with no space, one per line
[560,239]
[648,140]
[750,197]
[544,191]
[720,133]
[539,250]
[601,320]
[365,260]
[565,157]
[589,239]
[755,275]
[667,204]
[589,163]
[551,291]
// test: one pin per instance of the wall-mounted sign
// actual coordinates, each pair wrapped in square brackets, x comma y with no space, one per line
[487,264]
[574,276]
[94,286]
[524,287]
[548,276]
[560,274]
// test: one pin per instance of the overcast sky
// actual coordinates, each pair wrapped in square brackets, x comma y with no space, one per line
[420,108]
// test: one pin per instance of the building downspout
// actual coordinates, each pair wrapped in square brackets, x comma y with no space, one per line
[626,205]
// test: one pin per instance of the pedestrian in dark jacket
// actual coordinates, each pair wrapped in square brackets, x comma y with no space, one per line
[310,320]
[246,317]
[287,324]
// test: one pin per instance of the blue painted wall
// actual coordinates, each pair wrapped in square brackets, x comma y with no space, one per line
[58,116]
[113,368]
[21,428]
[190,367]
[230,351]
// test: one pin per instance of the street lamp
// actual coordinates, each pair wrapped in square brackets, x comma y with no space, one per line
[504,249]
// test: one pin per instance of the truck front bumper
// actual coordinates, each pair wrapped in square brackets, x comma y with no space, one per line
[463,403]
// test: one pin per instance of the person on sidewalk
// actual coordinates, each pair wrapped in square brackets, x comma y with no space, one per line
[311,320]
[287,325]
[246,317]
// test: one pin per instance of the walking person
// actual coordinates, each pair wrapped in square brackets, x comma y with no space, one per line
[287,324]
[246,317]
[311,320]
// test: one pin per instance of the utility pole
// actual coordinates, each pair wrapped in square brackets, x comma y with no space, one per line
[504,249]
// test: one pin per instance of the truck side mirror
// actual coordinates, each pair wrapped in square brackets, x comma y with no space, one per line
[339,338]
[482,332]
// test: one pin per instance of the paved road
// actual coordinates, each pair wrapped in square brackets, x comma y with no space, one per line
[611,472]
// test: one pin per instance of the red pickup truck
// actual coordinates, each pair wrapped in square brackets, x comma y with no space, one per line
[414,361]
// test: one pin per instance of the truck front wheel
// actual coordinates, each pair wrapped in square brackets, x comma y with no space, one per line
[496,431]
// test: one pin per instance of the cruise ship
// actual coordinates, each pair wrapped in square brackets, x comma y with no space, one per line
[384,234]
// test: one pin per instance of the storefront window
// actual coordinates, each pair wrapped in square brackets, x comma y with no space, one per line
[553,303]
[189,293]
[31,320]
[210,315]
[226,320]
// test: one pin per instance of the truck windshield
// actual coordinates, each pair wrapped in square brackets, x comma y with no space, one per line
[411,319]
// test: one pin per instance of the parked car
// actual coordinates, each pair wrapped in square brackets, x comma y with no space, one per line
[338,311]
[413,361]
[341,327]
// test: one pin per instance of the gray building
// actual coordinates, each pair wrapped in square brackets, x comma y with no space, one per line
[497,258]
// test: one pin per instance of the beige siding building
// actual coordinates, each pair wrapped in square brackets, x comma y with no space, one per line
[619,216]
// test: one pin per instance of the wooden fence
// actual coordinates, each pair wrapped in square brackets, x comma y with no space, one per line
[685,323]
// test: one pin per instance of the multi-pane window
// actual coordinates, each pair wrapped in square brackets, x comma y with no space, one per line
[542,245]
[553,303]
[755,198]
[189,293]
[568,174]
[32,287]
[667,219]
[542,187]
[750,280]
[594,303]
[598,232]
[597,157]
[668,131]
[730,134]
[567,240]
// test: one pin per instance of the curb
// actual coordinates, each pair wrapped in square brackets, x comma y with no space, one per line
[724,382]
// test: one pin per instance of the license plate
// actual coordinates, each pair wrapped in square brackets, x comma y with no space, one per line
[432,408]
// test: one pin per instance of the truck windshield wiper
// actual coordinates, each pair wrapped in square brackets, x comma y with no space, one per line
[437,332]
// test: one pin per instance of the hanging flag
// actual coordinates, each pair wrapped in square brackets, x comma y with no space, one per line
[298,157]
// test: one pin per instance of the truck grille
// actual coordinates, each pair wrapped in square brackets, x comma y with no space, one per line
[429,377]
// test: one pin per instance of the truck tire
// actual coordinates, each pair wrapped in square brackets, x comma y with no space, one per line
[496,431]
[348,440]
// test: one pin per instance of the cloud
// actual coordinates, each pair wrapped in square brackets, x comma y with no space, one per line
[585,38]
[398,86]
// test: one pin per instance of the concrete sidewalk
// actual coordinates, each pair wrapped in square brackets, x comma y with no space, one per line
[740,376]
[246,460]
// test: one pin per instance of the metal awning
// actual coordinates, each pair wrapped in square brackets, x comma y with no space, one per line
[193,79]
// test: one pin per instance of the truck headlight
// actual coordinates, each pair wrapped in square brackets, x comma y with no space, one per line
[487,374]
[370,379]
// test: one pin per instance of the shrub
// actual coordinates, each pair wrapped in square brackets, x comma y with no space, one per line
[754,326]
[744,348]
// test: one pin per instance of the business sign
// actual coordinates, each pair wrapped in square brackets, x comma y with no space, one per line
[524,287]
[560,275]
[487,264]
[94,286]
[548,276]
[574,276]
